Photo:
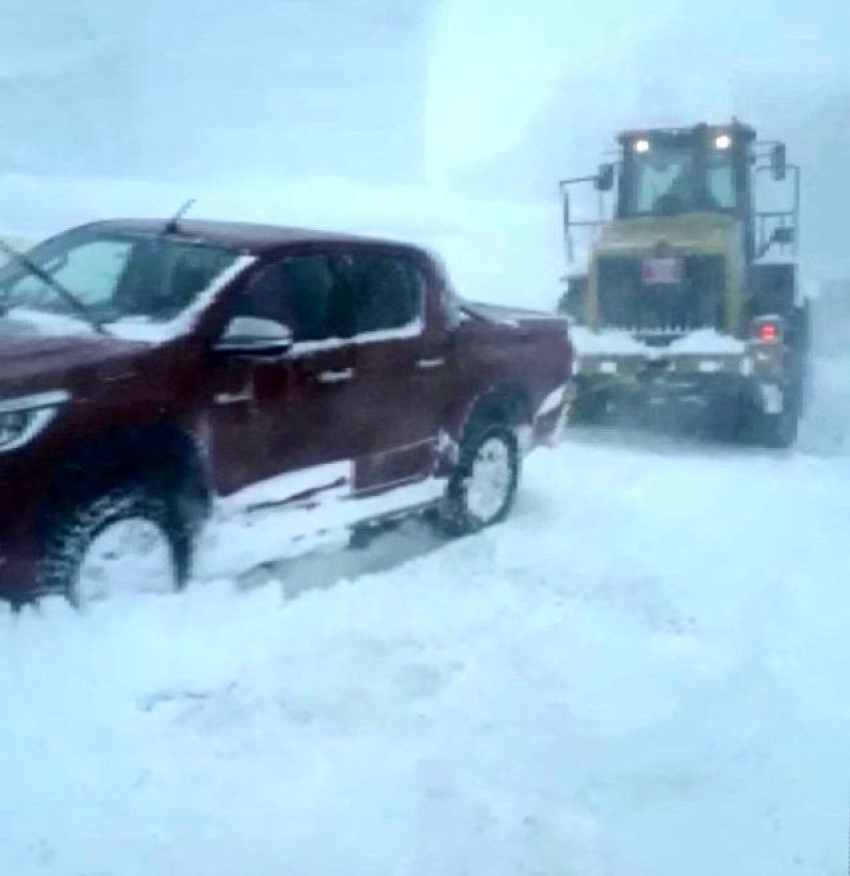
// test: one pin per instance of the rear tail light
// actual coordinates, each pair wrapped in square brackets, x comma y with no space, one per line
[767,330]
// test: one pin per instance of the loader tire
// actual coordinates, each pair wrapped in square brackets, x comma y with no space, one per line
[590,407]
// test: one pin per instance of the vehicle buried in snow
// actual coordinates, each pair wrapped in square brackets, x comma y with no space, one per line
[152,372]
[685,299]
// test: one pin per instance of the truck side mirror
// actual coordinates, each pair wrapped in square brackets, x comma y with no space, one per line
[778,163]
[251,335]
[605,178]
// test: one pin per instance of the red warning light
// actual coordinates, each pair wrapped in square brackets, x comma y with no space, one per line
[767,331]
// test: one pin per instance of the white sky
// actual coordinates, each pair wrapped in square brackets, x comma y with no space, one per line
[482,97]
[497,65]
[524,93]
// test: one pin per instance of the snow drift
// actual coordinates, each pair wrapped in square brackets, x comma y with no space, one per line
[641,673]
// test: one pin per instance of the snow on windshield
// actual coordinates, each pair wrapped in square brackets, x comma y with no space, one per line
[143,328]
[142,314]
[102,275]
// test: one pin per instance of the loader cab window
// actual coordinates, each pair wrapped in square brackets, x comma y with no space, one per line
[663,179]
[670,174]
[720,180]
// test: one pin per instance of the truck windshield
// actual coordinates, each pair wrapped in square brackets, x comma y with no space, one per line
[667,179]
[114,275]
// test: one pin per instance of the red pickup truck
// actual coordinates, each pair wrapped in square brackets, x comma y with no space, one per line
[150,371]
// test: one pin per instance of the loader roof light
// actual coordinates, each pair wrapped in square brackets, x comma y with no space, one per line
[641,146]
[722,141]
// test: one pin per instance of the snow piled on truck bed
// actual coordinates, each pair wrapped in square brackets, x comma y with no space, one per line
[641,673]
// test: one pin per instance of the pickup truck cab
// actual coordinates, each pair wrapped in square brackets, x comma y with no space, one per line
[151,372]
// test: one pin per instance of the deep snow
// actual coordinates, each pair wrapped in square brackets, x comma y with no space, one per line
[643,672]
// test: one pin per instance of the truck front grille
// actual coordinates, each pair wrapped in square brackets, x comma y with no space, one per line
[624,302]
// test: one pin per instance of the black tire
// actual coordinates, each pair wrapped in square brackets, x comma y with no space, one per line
[73,532]
[455,516]
[590,407]
[777,431]
[725,415]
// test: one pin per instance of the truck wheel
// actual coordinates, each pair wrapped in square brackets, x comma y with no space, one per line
[129,539]
[482,487]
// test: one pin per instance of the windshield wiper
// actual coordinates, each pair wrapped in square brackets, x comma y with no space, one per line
[64,293]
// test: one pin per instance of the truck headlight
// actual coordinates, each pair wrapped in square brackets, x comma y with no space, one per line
[22,418]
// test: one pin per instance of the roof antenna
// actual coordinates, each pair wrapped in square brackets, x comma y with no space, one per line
[171,226]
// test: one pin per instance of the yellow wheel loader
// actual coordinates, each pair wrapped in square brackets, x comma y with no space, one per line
[690,293]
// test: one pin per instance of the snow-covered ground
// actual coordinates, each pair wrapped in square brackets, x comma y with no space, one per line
[641,673]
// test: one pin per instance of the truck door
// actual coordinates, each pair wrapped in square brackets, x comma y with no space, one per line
[398,367]
[280,425]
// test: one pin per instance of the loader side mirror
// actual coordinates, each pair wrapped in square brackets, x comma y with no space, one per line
[605,178]
[778,162]
[568,238]
[783,235]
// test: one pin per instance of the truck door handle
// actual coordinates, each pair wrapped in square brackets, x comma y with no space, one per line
[235,398]
[427,364]
[336,376]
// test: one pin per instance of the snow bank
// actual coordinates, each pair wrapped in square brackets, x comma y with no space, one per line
[641,673]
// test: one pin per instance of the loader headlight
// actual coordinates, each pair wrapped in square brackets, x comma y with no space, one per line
[722,141]
[641,146]
[22,418]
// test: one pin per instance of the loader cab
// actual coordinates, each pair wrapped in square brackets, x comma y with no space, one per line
[708,204]
[691,170]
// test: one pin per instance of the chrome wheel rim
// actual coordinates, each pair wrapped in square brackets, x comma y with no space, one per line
[490,480]
[132,555]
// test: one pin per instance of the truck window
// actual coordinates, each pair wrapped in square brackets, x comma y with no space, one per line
[385,291]
[296,291]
